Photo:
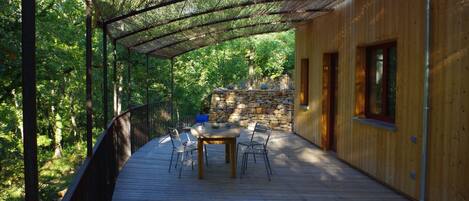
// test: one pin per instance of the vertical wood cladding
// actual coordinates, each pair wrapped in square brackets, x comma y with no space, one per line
[389,154]
[449,118]
[386,154]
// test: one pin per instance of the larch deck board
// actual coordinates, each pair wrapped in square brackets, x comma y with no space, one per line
[301,171]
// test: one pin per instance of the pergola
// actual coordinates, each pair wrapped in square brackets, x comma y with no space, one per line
[159,28]
[168,28]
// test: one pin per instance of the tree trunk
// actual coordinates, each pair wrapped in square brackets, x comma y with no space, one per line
[57,120]
[19,125]
[73,118]
[70,99]
[118,93]
[250,60]
[74,124]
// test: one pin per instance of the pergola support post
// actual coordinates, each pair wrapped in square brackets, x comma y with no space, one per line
[147,92]
[114,80]
[426,104]
[89,100]
[129,79]
[28,53]
[172,89]
[105,87]
[147,80]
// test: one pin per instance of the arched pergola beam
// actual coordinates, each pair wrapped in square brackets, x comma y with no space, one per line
[143,10]
[228,39]
[191,15]
[203,34]
[227,20]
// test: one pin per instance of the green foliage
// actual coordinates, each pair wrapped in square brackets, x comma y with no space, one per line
[43,141]
[61,86]
[199,72]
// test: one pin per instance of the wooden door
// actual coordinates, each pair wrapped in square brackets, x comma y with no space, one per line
[329,101]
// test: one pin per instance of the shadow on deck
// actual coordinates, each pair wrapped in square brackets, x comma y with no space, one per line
[301,171]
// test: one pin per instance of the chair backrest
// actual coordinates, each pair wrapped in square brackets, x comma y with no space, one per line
[253,132]
[184,122]
[175,137]
[201,118]
[269,133]
[265,130]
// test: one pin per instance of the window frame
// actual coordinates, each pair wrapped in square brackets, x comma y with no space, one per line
[304,82]
[383,116]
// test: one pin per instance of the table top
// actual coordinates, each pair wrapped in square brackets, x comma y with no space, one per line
[216,130]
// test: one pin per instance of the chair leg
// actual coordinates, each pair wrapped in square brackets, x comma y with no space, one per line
[246,163]
[206,155]
[192,159]
[177,160]
[246,159]
[242,164]
[268,162]
[243,161]
[182,163]
[171,161]
[254,155]
[241,168]
[266,166]
[237,149]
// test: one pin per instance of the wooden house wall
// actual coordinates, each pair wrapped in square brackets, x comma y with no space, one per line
[448,177]
[388,155]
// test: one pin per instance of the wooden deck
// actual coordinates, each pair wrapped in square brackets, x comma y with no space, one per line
[301,171]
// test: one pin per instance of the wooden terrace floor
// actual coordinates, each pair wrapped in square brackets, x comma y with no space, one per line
[301,171]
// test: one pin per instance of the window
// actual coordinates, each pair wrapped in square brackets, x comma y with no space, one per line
[381,82]
[304,87]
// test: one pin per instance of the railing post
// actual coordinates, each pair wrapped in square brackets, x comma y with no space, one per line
[28,53]
[89,100]
[105,89]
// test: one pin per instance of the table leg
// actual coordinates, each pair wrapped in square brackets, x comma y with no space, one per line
[233,157]
[227,152]
[200,157]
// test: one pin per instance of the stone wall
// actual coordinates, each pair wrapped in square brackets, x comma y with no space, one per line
[271,107]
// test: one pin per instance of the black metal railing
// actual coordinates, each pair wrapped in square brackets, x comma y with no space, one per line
[124,135]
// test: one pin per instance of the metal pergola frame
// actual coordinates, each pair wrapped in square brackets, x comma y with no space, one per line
[248,3]
[222,21]
[146,27]
[28,65]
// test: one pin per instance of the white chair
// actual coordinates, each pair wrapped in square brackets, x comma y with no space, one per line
[182,149]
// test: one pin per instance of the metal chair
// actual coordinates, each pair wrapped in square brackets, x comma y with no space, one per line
[193,140]
[201,118]
[251,143]
[258,150]
[182,149]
